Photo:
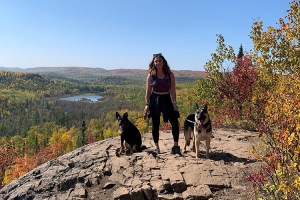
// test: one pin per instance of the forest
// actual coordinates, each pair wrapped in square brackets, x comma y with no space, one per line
[257,90]
[36,126]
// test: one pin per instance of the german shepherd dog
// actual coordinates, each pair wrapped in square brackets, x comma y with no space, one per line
[130,135]
[200,125]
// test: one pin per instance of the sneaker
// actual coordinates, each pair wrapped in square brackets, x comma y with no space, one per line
[175,150]
[156,151]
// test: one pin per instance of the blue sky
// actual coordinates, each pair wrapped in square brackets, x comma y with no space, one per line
[114,34]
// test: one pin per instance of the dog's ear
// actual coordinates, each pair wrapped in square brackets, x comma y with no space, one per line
[197,106]
[118,115]
[205,107]
[125,115]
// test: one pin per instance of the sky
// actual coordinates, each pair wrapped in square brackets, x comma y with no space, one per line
[124,34]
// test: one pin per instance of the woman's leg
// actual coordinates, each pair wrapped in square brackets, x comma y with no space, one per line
[175,129]
[175,132]
[155,129]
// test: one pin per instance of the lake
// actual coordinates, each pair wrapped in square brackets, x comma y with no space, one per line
[85,98]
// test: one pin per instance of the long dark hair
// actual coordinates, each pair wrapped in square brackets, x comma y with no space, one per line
[166,68]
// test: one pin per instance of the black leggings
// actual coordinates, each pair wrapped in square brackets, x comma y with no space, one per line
[155,128]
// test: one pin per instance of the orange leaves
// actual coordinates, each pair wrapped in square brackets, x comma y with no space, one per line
[17,159]
[6,157]
[291,139]
[20,167]
[282,138]
[23,164]
[279,91]
[271,93]
[64,139]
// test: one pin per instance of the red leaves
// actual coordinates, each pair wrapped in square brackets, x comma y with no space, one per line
[6,158]
[237,86]
[12,166]
[91,138]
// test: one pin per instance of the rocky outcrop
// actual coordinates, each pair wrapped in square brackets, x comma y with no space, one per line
[95,172]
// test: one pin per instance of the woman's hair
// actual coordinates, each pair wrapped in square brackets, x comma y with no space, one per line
[153,70]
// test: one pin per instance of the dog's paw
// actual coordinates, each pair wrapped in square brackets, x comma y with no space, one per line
[118,152]
[127,152]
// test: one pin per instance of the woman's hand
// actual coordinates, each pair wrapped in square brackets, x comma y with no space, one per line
[146,109]
[175,106]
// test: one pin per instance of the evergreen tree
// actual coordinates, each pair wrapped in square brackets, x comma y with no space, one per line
[240,56]
[36,144]
[241,52]
[83,128]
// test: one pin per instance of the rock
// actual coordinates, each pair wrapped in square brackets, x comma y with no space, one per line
[137,194]
[121,193]
[149,193]
[79,191]
[95,172]
[197,193]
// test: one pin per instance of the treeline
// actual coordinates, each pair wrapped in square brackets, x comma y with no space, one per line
[44,86]
[31,99]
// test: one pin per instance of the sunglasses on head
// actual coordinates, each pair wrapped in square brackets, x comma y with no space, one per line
[157,54]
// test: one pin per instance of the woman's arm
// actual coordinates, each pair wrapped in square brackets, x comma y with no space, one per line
[147,96]
[148,89]
[173,91]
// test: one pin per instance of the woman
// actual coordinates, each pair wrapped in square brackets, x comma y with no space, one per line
[161,98]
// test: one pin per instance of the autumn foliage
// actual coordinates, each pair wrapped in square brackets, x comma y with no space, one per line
[229,88]
[278,91]
[6,157]
[262,89]
[280,174]
[237,86]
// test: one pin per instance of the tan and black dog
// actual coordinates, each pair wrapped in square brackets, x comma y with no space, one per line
[198,127]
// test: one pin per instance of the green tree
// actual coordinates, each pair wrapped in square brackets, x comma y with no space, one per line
[95,128]
[241,52]
[47,129]
[31,140]
[19,144]
[240,56]
[83,135]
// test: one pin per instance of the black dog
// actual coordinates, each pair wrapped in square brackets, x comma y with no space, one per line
[130,135]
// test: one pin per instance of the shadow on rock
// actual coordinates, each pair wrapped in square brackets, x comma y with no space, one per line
[227,157]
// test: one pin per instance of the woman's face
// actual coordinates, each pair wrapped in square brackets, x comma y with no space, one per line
[158,62]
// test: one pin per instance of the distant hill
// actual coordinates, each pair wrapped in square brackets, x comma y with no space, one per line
[11,69]
[88,73]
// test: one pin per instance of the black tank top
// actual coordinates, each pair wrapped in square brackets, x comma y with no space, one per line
[160,85]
